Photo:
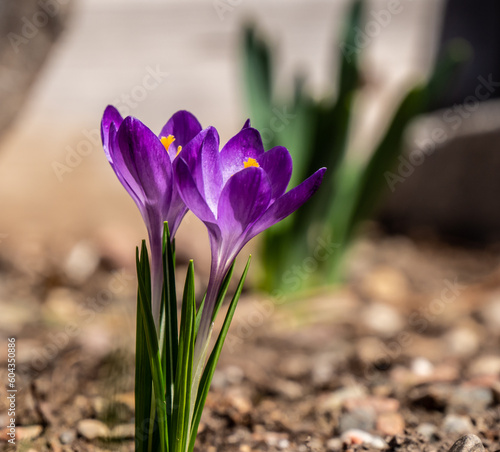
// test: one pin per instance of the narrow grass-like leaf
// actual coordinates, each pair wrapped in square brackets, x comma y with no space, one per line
[150,424]
[220,299]
[372,180]
[223,291]
[361,190]
[199,313]
[324,127]
[143,388]
[183,377]
[330,132]
[350,190]
[206,379]
[152,346]
[169,334]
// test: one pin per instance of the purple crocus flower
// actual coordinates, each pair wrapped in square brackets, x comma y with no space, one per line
[238,193]
[142,162]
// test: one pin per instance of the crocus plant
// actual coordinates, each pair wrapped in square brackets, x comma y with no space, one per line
[237,192]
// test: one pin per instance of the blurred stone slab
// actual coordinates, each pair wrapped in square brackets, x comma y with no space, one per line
[451,188]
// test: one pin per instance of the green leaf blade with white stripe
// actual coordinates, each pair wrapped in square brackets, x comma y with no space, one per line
[151,340]
[213,360]
[184,374]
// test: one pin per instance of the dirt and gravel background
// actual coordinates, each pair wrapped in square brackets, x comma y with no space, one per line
[404,357]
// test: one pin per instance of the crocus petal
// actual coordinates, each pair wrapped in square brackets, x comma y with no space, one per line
[176,213]
[277,163]
[247,124]
[189,192]
[145,157]
[183,126]
[244,145]
[209,165]
[244,198]
[288,203]
[111,121]
[191,154]
[124,175]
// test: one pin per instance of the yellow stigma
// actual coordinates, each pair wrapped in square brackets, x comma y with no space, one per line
[167,141]
[250,162]
[179,149]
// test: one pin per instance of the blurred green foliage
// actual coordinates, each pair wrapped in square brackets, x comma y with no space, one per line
[307,249]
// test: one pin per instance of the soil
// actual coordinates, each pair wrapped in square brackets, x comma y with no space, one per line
[406,353]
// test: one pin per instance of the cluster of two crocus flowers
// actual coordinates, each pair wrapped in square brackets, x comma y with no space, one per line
[237,192]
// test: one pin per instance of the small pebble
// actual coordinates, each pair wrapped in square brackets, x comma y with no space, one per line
[356,437]
[485,365]
[422,367]
[462,341]
[382,319]
[468,443]
[322,372]
[470,399]
[334,444]
[455,424]
[92,428]
[334,401]
[376,403]
[386,283]
[274,439]
[283,444]
[240,402]
[289,389]
[361,418]
[29,432]
[81,262]
[123,431]
[428,431]
[67,437]
[390,424]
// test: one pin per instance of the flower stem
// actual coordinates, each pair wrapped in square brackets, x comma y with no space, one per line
[155,244]
[214,284]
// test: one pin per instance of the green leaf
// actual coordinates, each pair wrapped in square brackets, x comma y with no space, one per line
[349,72]
[206,379]
[183,378]
[372,181]
[319,138]
[361,188]
[330,127]
[198,316]
[150,335]
[220,299]
[223,291]
[143,389]
[169,334]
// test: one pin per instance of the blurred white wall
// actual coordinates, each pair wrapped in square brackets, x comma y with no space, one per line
[151,58]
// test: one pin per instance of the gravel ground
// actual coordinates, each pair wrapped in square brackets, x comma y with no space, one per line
[404,357]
